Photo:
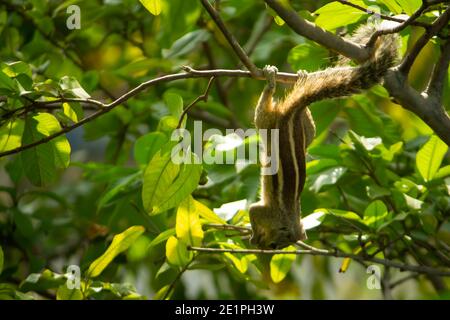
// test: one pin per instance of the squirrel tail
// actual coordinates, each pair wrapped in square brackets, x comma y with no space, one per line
[341,81]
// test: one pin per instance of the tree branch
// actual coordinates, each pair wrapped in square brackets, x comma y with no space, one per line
[437,25]
[436,85]
[313,32]
[431,112]
[104,107]
[320,252]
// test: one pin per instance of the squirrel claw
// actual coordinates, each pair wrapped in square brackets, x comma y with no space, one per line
[302,74]
[270,73]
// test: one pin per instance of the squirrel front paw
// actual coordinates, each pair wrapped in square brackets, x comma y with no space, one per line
[270,73]
[302,74]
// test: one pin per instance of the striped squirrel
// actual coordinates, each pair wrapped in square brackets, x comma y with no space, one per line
[275,219]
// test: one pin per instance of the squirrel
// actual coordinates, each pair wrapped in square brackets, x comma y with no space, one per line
[275,219]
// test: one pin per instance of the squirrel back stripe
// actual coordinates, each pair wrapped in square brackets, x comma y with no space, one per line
[342,81]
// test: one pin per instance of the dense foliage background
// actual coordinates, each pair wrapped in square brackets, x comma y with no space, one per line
[105,196]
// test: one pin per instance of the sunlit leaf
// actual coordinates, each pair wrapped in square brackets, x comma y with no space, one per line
[335,14]
[375,213]
[177,253]
[188,227]
[429,157]
[11,134]
[208,214]
[280,264]
[72,86]
[120,243]
[153,6]
[327,177]
[409,6]
[166,184]
[64,293]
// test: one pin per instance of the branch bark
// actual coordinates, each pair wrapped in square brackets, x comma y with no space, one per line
[320,252]
[426,107]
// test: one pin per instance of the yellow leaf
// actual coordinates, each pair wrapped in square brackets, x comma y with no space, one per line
[188,227]
[120,243]
[280,265]
[177,253]
[153,6]
[207,214]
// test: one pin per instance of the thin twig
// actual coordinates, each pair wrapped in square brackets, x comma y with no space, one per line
[397,28]
[231,39]
[437,25]
[383,16]
[202,97]
[436,85]
[337,254]
[174,282]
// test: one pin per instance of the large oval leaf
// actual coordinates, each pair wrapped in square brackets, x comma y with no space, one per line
[166,184]
[429,157]
[120,243]
[280,264]
[334,15]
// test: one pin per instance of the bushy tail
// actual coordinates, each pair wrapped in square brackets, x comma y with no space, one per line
[342,81]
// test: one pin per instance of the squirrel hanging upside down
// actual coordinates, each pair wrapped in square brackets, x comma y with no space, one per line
[275,219]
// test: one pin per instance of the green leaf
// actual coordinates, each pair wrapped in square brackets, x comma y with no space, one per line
[307,56]
[16,68]
[48,125]
[6,83]
[72,86]
[2,259]
[375,213]
[123,186]
[72,111]
[392,6]
[166,184]
[64,293]
[313,220]
[163,236]
[120,243]
[188,227]
[239,261]
[443,172]
[186,44]
[409,6]
[42,281]
[38,162]
[174,103]
[334,15]
[327,177]
[429,157]
[147,146]
[153,6]
[11,134]
[280,264]
[177,253]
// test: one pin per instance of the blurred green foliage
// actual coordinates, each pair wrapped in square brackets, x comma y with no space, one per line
[108,199]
